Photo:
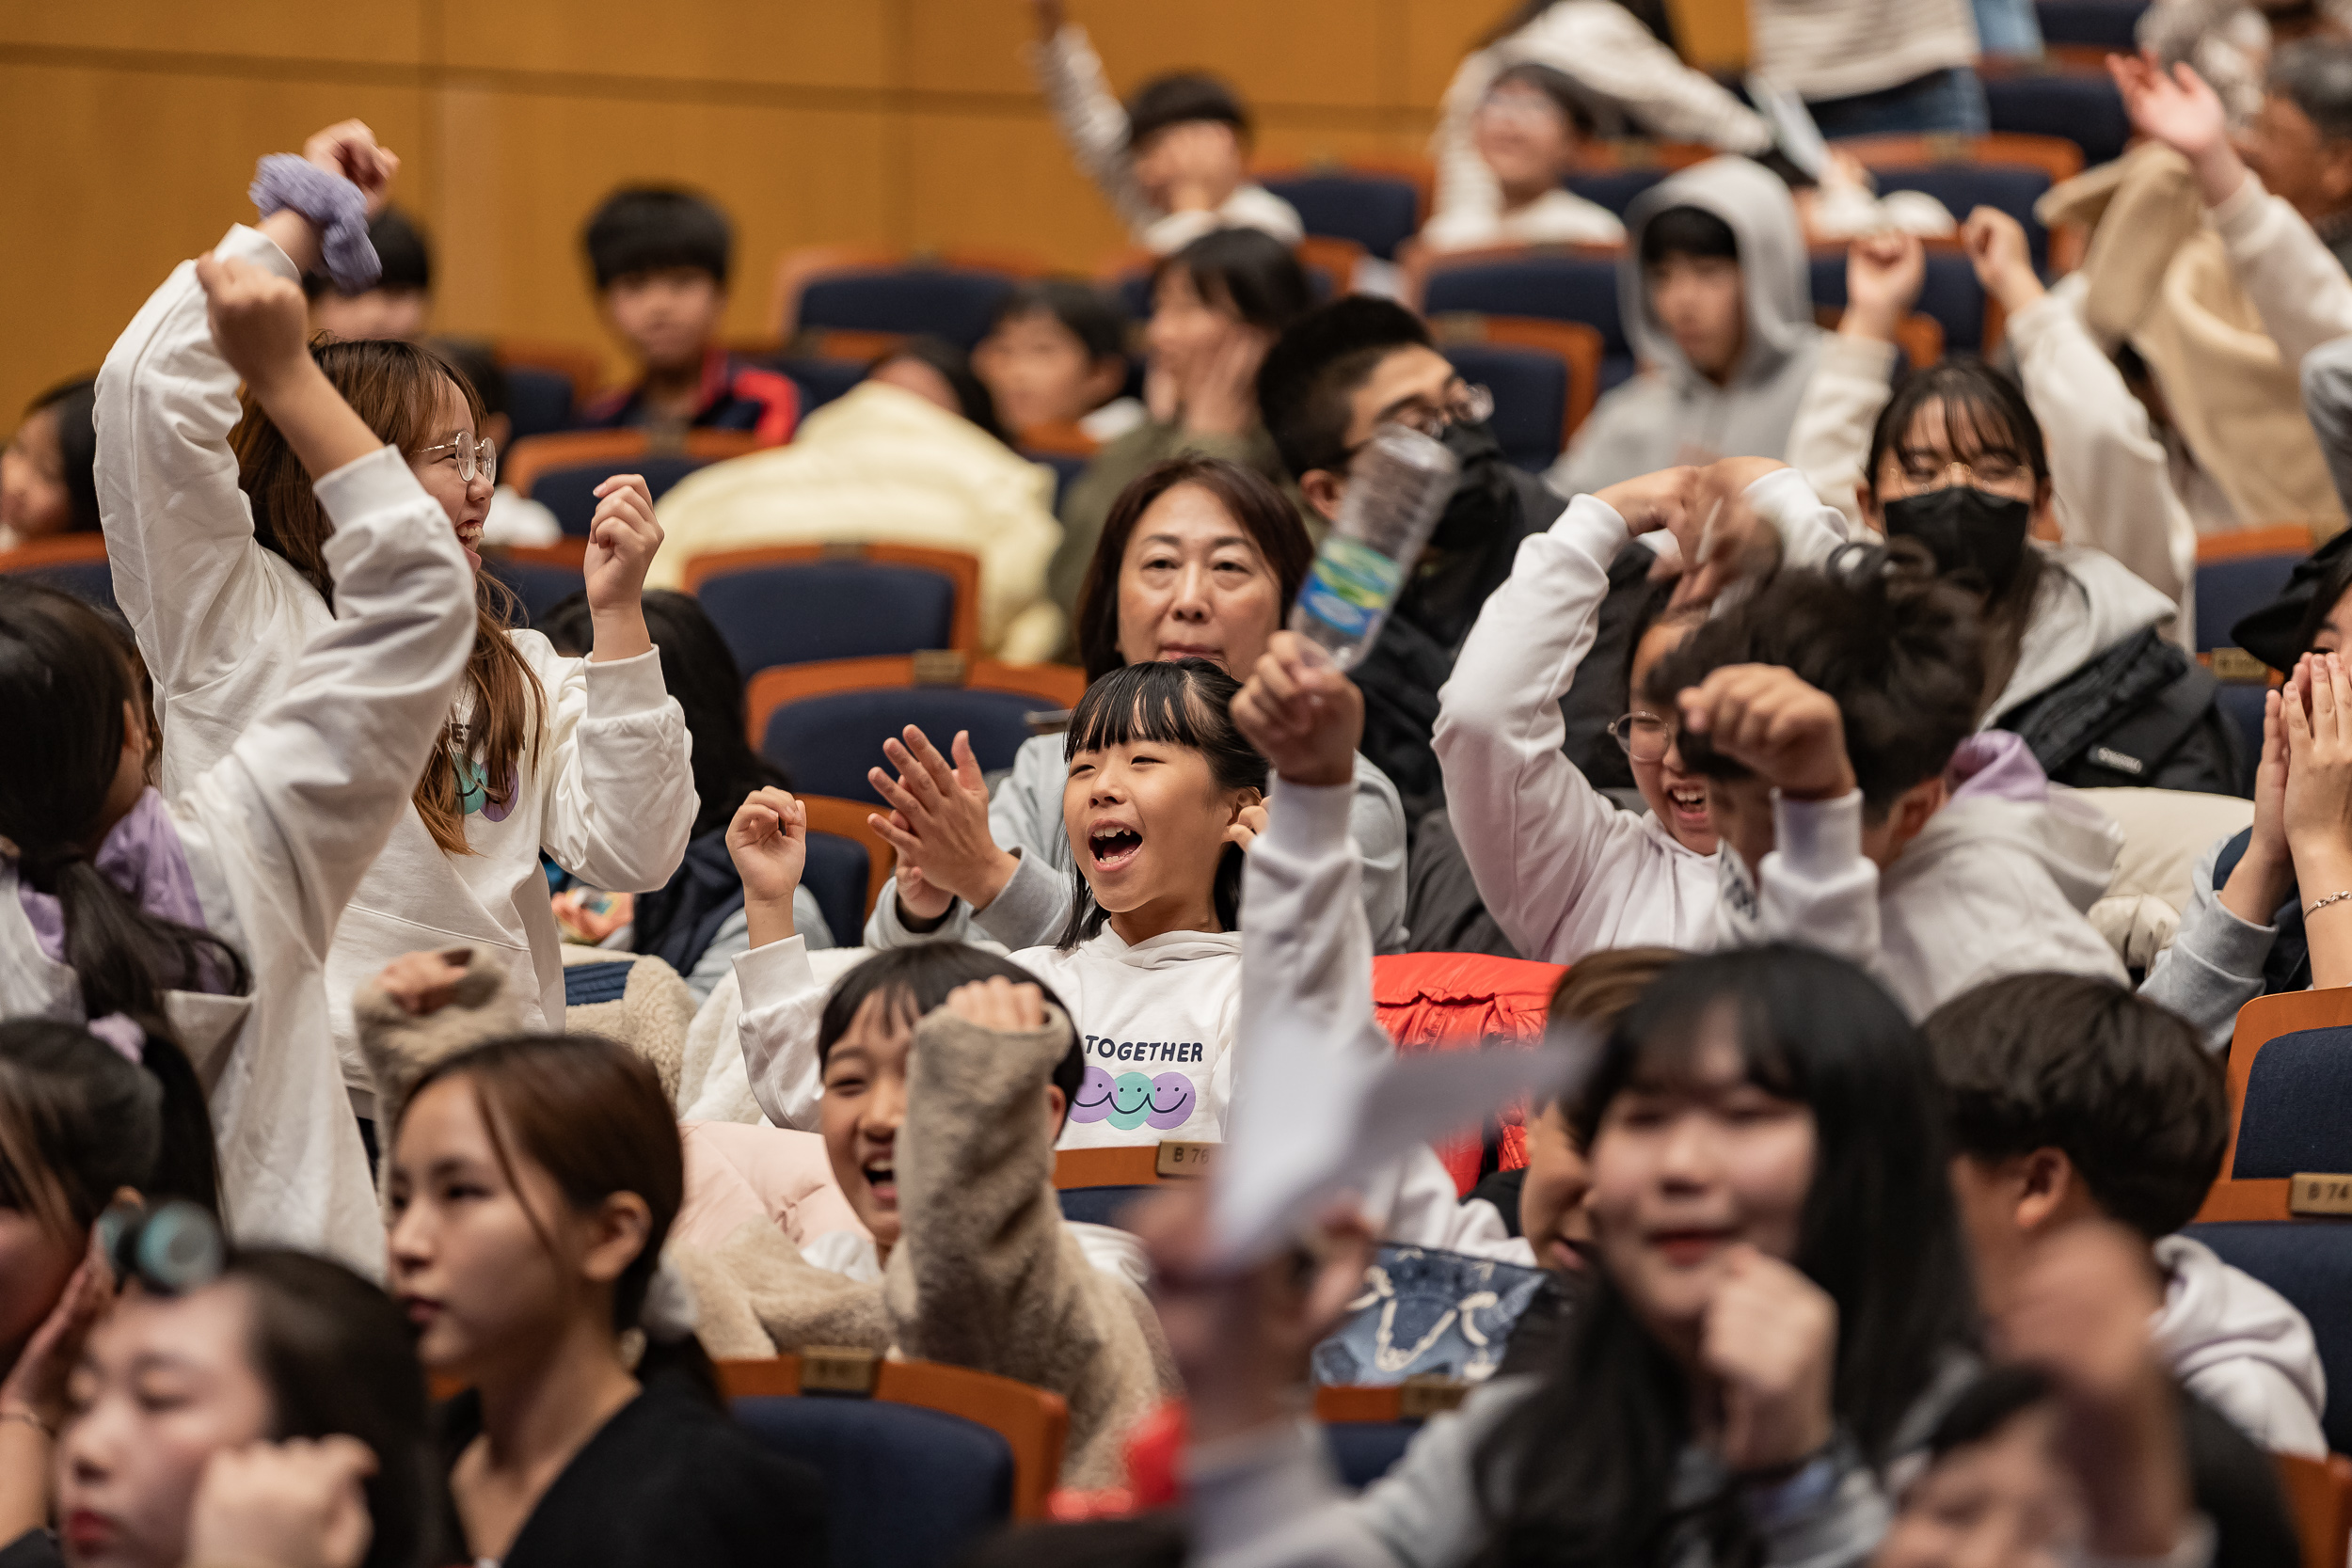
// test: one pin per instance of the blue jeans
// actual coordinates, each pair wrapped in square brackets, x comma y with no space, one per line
[2009,27]
[1950,101]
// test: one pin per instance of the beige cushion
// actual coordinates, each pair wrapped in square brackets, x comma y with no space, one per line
[2165,832]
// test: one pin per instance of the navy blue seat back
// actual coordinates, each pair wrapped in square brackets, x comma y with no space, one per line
[2229,589]
[2294,1116]
[954,302]
[2013,189]
[1556,287]
[1066,468]
[1615,188]
[1531,390]
[539,587]
[1376,211]
[2309,1262]
[772,615]
[570,493]
[821,381]
[869,1452]
[828,742]
[1951,295]
[2080,106]
[538,401]
[838,873]
[1363,1451]
[90,581]
[2241,702]
[2106,24]
[1097,1205]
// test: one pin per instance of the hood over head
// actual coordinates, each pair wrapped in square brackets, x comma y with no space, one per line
[1775,279]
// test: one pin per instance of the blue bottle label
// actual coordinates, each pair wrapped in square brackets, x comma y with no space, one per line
[1351,585]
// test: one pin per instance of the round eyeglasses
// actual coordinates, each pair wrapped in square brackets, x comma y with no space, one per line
[475,459]
[1645,737]
[1463,403]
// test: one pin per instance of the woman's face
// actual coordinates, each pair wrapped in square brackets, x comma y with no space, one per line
[1688,1164]
[164,1383]
[1148,825]
[467,1264]
[1184,326]
[863,1104]
[1925,460]
[467,501]
[1192,585]
[1679,799]
[34,503]
[1523,138]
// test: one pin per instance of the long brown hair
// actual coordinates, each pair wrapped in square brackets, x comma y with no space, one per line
[1247,496]
[592,1114]
[395,387]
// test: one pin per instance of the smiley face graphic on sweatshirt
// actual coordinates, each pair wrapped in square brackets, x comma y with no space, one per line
[1131,1098]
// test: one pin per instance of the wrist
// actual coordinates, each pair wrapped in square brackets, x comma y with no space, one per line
[1320,774]
[273,387]
[2019,292]
[2219,172]
[618,632]
[1874,322]
[769,919]
[995,875]
[1823,787]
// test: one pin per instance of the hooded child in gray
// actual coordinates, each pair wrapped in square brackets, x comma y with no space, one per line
[1743,404]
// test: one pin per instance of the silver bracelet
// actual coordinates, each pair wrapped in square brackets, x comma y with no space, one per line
[2318,904]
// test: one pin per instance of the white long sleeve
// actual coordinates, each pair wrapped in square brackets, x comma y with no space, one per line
[2295,283]
[782,1003]
[1830,440]
[219,620]
[617,775]
[293,816]
[1560,867]
[2109,473]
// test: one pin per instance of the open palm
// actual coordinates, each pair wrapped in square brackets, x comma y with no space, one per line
[2174,107]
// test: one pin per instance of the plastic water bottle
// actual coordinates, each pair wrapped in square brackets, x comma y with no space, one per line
[1399,484]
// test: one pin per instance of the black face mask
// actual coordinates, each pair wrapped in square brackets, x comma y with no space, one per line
[1971,532]
[1480,507]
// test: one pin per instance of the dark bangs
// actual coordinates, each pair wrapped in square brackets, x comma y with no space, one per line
[1181,702]
[1657,1043]
[1984,412]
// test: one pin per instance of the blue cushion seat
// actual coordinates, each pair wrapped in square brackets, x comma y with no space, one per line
[869,1452]
[848,609]
[827,743]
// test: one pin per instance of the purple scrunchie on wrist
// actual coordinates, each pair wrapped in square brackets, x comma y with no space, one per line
[285,181]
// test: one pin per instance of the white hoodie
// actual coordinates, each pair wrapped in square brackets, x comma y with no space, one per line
[1995,885]
[1564,872]
[607,790]
[2242,1347]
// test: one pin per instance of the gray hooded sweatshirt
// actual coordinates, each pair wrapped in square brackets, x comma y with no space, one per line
[1669,413]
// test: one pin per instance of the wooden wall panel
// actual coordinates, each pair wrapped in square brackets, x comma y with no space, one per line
[114,177]
[128,129]
[802,42]
[377,32]
[525,170]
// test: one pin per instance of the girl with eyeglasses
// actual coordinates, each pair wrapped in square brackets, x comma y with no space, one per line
[225,563]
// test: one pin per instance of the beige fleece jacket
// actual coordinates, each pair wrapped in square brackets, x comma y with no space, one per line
[985,1273]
